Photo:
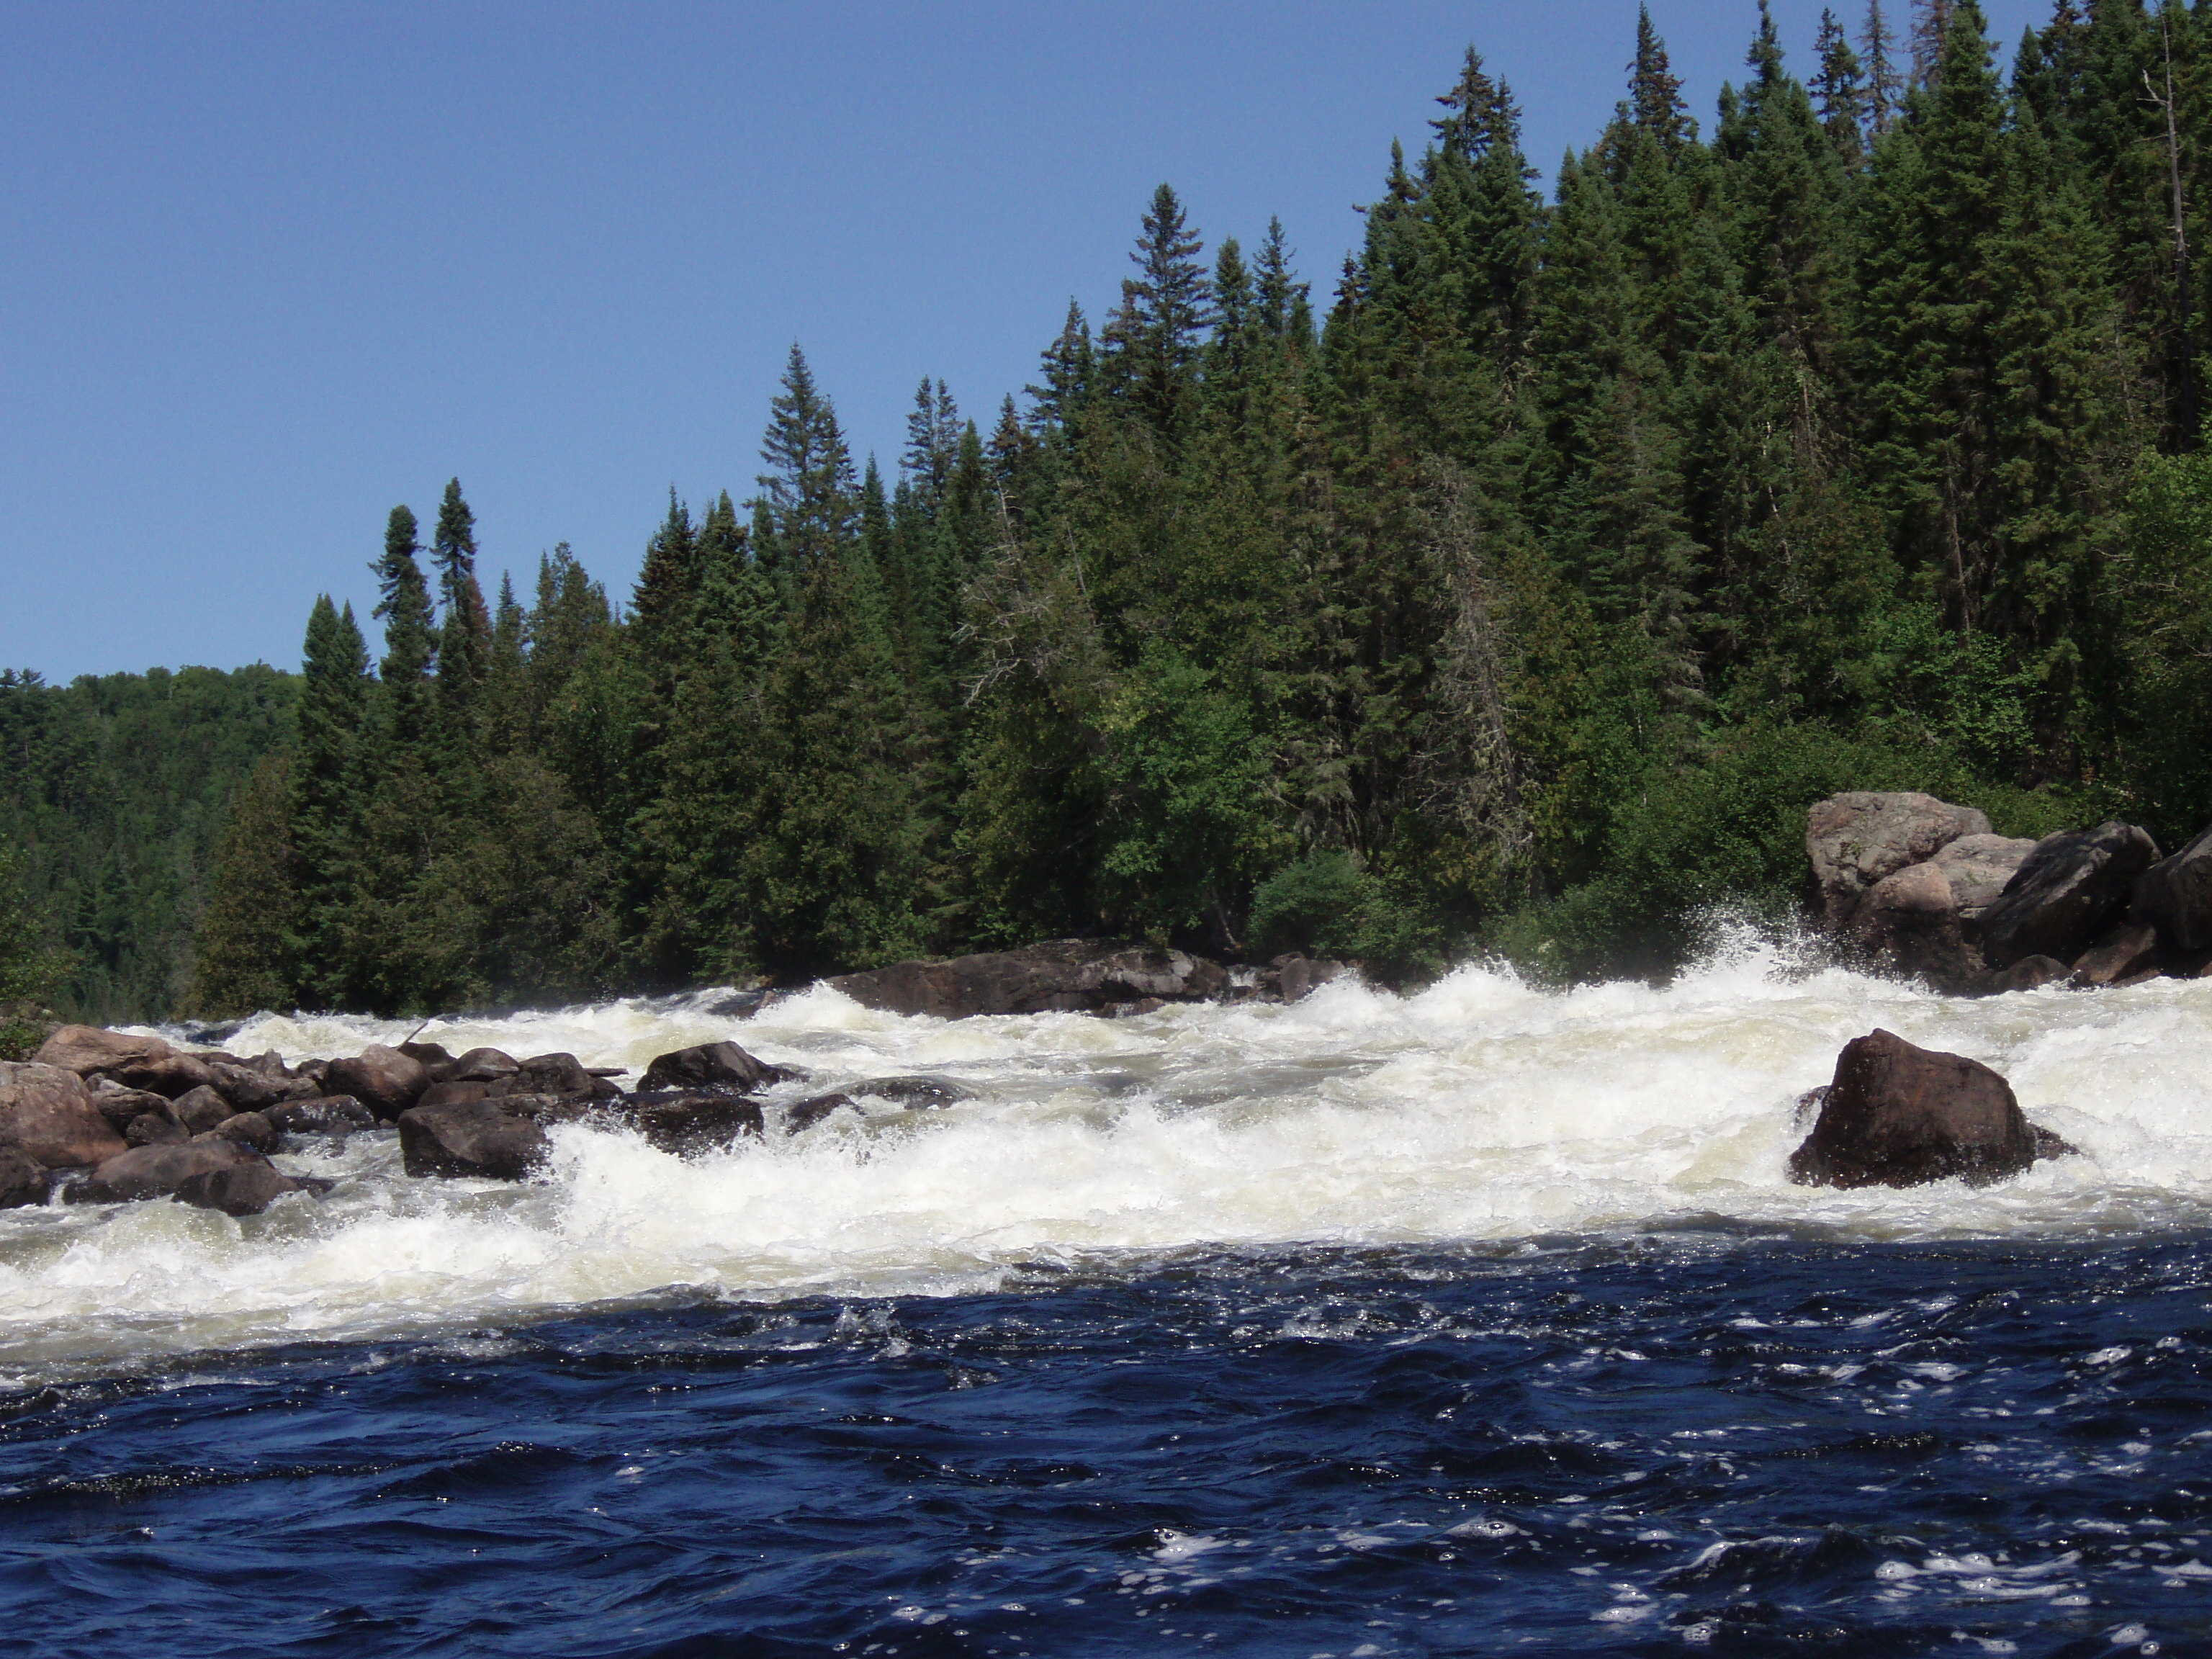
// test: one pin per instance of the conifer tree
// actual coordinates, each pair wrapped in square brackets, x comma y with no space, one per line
[805,512]
[465,629]
[1885,89]
[411,645]
[1840,92]
[329,780]
[1152,339]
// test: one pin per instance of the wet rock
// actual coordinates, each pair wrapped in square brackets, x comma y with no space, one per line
[562,1076]
[1299,977]
[2068,890]
[170,1075]
[803,1114]
[480,1066]
[738,1005]
[247,1087]
[383,1080]
[2123,953]
[1898,1116]
[85,1049]
[1062,976]
[914,1091]
[156,1129]
[2028,973]
[23,1179]
[481,1139]
[1853,840]
[454,1094]
[1909,923]
[252,1129]
[434,1056]
[187,1173]
[122,1107]
[2174,896]
[200,1110]
[47,1112]
[334,1115]
[244,1189]
[710,1065]
[689,1122]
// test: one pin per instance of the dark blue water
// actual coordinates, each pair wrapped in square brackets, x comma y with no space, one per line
[1694,1444]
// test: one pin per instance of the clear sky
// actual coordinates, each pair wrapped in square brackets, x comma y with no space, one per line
[271,268]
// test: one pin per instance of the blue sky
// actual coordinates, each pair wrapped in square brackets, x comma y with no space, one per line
[273,268]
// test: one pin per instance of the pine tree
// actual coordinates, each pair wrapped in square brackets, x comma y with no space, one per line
[1152,339]
[410,642]
[1840,92]
[1655,91]
[805,512]
[464,631]
[329,780]
[1884,89]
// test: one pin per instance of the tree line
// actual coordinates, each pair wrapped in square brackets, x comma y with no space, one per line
[1517,594]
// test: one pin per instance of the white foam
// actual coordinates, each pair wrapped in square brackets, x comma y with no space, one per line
[1479,1108]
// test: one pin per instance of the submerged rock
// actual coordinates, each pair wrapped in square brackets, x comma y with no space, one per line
[334,1115]
[914,1091]
[1900,1115]
[1065,976]
[689,1122]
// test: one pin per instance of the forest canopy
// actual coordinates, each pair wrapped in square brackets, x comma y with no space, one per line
[1516,592]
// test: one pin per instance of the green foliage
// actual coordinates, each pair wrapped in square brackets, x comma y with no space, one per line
[1524,601]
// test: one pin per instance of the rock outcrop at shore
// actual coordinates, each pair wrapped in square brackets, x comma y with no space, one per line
[1911,885]
[1900,1115]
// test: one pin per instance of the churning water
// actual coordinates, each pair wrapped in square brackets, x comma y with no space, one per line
[1475,1320]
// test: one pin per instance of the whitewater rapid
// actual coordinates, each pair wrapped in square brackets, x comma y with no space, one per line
[1481,1110]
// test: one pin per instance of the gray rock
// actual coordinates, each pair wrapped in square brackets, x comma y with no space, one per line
[2068,890]
[803,1115]
[689,1122]
[914,1091]
[1978,868]
[23,1179]
[1853,840]
[334,1115]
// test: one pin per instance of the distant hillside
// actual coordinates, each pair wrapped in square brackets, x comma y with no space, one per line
[117,789]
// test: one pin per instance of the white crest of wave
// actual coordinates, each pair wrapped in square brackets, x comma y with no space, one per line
[1482,1108]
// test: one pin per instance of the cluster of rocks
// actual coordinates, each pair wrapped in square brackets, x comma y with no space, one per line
[1913,885]
[101,1116]
[1074,975]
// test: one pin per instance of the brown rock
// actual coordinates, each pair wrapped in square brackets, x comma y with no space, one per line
[242,1189]
[156,1129]
[335,1114]
[454,1094]
[689,1123]
[383,1080]
[23,1179]
[169,1075]
[88,1048]
[48,1113]
[2123,953]
[2029,974]
[433,1055]
[479,1139]
[247,1087]
[1853,840]
[1301,977]
[122,1107]
[157,1171]
[913,1092]
[1898,1116]
[201,1109]
[480,1066]
[1909,923]
[720,1066]
[803,1115]
[252,1129]
[562,1076]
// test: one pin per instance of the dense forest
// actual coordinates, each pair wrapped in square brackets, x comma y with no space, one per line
[1515,594]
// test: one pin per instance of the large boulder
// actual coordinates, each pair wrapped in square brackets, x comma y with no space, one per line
[1908,922]
[2175,897]
[483,1139]
[200,1110]
[381,1078]
[1853,840]
[334,1115]
[1978,868]
[1898,1116]
[1067,976]
[478,1065]
[561,1076]
[86,1049]
[721,1065]
[2066,893]
[214,1174]
[47,1112]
